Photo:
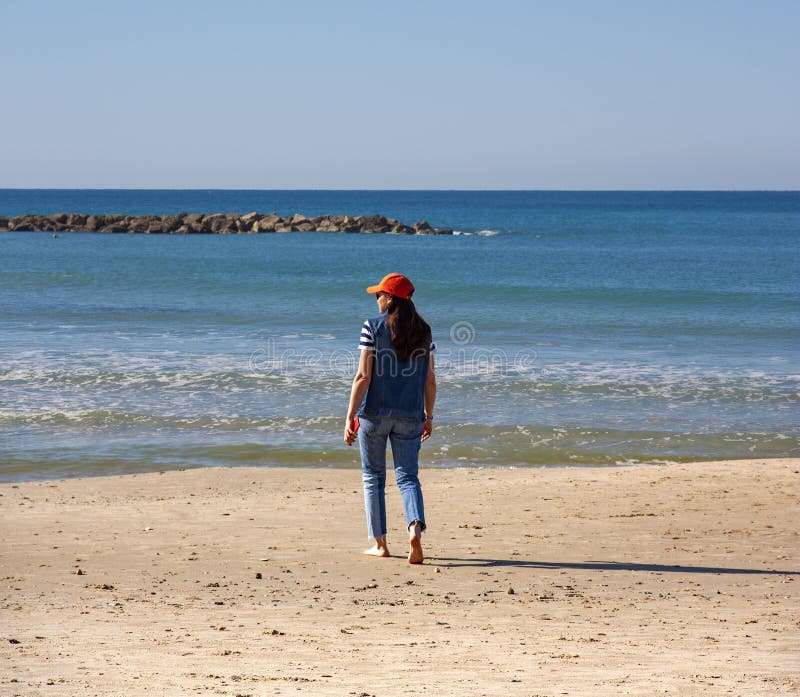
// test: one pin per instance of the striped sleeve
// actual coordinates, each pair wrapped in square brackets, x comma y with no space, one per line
[367,340]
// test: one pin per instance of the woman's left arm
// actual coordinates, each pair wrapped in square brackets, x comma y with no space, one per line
[430,400]
[357,391]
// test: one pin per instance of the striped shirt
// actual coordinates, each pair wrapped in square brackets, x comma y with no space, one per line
[368,340]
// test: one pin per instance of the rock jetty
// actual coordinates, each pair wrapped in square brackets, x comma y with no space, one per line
[213,224]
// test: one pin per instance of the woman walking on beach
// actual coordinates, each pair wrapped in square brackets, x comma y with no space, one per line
[392,398]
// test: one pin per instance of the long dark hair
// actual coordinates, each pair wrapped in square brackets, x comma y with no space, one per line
[410,333]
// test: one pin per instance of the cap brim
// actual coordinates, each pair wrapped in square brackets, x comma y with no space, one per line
[373,289]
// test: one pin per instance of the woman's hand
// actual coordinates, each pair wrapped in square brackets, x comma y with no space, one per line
[427,428]
[350,430]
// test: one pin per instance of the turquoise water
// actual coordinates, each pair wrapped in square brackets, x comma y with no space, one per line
[572,328]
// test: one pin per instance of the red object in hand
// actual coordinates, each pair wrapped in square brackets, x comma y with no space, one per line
[355,425]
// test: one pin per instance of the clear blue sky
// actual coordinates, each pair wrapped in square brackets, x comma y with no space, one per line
[464,95]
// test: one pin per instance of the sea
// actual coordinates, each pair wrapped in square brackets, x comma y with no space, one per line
[572,328]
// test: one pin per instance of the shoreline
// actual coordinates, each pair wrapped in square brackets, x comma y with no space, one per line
[677,578]
[355,465]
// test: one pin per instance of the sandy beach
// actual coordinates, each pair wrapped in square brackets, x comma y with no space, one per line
[641,580]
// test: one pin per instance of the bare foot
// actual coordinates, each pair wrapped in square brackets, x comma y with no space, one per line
[379,549]
[415,555]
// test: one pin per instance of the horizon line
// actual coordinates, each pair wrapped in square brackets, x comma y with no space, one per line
[443,190]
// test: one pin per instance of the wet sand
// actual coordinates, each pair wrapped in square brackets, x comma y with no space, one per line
[641,580]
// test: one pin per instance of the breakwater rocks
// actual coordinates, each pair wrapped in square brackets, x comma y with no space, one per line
[214,224]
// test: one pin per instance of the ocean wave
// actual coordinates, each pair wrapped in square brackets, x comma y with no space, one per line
[464,380]
[481,233]
[517,440]
[687,391]
[219,381]
[104,419]
[318,444]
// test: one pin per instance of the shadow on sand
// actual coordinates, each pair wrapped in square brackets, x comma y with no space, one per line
[455,562]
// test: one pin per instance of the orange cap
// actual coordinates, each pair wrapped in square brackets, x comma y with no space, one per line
[394,284]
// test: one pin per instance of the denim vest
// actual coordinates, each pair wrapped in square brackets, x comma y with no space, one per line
[397,387]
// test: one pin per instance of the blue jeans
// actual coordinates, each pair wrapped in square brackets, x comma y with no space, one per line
[404,435]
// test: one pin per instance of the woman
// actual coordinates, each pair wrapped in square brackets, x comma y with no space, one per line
[393,395]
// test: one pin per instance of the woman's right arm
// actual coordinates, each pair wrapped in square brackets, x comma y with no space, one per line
[357,391]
